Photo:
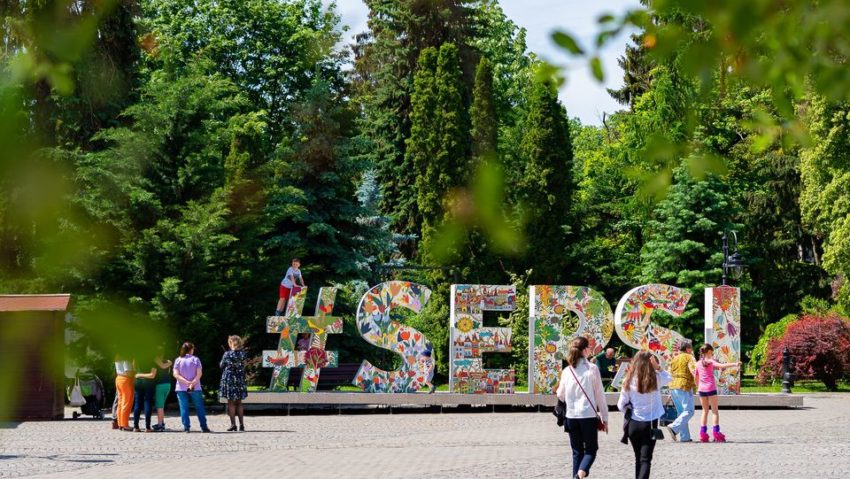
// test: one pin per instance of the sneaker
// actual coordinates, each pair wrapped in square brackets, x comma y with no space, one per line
[672,433]
[186,430]
[158,427]
[703,437]
[206,430]
[136,429]
[147,429]
[719,437]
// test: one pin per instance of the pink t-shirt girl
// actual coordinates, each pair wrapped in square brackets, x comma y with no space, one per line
[705,375]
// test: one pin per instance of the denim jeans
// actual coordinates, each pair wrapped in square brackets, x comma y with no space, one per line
[144,400]
[684,402]
[183,398]
[584,443]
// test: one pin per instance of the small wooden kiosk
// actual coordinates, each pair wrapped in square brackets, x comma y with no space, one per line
[32,356]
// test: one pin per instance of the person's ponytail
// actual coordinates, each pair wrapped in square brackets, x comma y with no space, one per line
[576,352]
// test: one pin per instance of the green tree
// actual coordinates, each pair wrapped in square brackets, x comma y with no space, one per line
[439,143]
[683,243]
[482,113]
[608,210]
[385,61]
[637,72]
[826,182]
[317,162]
[271,49]
[543,183]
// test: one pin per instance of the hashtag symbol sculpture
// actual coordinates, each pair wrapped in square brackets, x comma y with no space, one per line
[289,326]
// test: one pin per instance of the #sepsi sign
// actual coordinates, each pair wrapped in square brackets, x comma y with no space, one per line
[557,315]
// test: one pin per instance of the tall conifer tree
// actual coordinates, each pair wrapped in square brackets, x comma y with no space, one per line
[545,187]
[438,147]
[485,123]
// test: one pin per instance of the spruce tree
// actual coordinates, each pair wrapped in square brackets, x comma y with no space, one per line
[684,243]
[545,188]
[386,60]
[637,78]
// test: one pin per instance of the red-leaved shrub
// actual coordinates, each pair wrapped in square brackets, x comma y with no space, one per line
[819,348]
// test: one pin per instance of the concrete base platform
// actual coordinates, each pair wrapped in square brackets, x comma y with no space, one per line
[442,399]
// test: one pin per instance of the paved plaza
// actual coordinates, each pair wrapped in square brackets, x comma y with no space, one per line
[813,441]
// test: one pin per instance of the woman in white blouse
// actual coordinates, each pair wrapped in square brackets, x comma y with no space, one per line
[641,392]
[581,389]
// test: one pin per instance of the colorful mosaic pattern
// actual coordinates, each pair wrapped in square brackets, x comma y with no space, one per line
[552,328]
[632,319]
[723,332]
[376,325]
[470,339]
[289,327]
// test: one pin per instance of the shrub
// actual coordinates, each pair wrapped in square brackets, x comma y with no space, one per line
[819,347]
[772,331]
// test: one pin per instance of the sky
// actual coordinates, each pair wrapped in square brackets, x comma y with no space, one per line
[583,96]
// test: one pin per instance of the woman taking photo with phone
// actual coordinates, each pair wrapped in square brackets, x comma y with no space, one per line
[587,411]
[641,393]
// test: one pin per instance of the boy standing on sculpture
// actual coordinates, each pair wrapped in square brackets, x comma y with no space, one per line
[290,281]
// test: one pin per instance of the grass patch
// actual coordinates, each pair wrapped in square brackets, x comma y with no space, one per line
[749,385]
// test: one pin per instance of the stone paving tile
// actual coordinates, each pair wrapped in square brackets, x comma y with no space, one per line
[810,442]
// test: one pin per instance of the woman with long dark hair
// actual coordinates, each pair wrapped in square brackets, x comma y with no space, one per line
[641,393]
[581,389]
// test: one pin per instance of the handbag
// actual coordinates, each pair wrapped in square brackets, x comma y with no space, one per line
[657,434]
[670,413]
[76,398]
[600,424]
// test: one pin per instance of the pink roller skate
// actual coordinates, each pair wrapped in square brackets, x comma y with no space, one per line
[703,436]
[718,437]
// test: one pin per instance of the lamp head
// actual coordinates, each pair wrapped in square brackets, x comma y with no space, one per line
[735,265]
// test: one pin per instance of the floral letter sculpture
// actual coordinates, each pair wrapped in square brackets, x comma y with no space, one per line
[376,325]
[723,332]
[470,339]
[631,319]
[551,329]
[289,327]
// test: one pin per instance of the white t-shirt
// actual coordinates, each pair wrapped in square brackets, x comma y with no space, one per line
[121,367]
[291,273]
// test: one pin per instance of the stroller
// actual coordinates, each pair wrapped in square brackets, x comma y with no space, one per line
[92,388]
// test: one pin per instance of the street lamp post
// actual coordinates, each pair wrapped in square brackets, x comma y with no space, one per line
[733,265]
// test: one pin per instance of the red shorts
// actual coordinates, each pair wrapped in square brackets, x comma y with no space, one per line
[285,292]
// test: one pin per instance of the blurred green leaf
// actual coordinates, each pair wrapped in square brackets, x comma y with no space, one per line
[567,42]
[596,68]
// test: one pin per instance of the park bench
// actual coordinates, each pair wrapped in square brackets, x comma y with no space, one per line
[329,378]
